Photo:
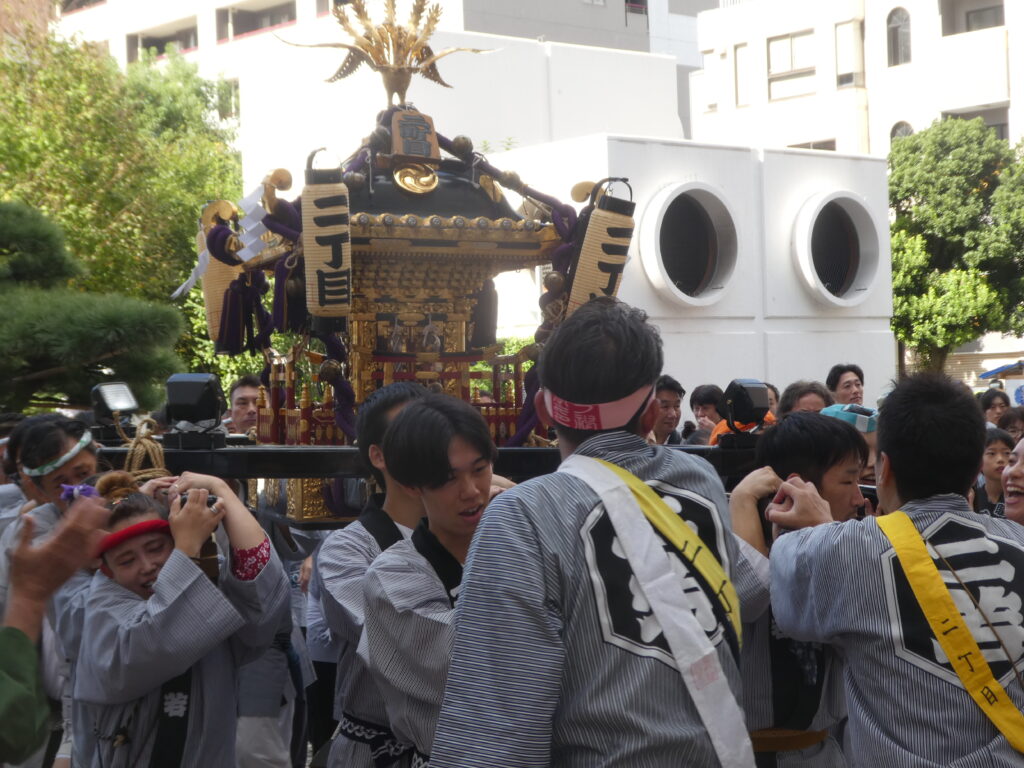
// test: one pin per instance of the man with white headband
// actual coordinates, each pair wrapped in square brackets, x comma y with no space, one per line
[597,622]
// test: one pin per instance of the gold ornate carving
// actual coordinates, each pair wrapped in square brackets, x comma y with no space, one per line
[416,178]
[397,51]
[491,188]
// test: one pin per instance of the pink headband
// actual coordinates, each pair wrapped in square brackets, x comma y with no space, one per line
[596,416]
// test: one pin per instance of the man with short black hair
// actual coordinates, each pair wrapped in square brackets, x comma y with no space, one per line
[584,638]
[669,395]
[341,564]
[440,453]
[924,603]
[994,402]
[846,383]
[242,398]
[704,404]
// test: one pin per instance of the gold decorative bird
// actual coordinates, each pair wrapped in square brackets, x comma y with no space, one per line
[394,50]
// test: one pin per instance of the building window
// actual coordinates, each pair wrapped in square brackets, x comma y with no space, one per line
[593,2]
[898,37]
[323,7]
[228,100]
[900,130]
[636,6]
[983,18]
[826,145]
[791,65]
[744,76]
[849,54]
[235,22]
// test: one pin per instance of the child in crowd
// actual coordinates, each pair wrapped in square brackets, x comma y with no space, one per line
[161,639]
[988,493]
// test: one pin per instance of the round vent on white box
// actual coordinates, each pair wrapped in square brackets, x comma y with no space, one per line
[688,243]
[836,246]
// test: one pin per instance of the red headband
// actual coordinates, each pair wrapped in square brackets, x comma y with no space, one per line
[111,540]
[596,416]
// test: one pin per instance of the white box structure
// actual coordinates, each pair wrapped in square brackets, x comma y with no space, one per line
[768,264]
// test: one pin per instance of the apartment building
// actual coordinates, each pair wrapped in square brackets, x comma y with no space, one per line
[848,75]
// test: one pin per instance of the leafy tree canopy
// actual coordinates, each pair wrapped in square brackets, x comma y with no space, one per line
[956,191]
[55,342]
[122,162]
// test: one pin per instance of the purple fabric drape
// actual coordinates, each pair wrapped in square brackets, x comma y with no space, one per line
[245,324]
[528,418]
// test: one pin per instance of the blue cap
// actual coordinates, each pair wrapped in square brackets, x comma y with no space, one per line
[864,419]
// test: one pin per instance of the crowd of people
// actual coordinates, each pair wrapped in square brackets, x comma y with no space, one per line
[854,600]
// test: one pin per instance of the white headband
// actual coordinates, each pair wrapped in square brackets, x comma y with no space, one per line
[59,462]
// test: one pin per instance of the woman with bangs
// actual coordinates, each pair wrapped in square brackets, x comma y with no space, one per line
[162,637]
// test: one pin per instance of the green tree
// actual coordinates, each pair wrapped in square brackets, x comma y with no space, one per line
[56,342]
[957,249]
[122,161]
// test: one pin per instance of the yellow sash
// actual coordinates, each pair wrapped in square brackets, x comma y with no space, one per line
[688,543]
[944,619]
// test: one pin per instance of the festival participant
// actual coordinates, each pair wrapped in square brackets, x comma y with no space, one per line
[804,396]
[36,573]
[439,451]
[988,493]
[162,641]
[846,383]
[566,650]
[341,564]
[923,603]
[12,500]
[704,404]
[994,402]
[865,420]
[793,693]
[1012,422]
[669,394]
[242,398]
[1013,485]
[45,452]
[773,398]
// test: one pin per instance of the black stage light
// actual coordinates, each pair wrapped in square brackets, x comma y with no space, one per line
[745,401]
[195,398]
[112,397]
[112,405]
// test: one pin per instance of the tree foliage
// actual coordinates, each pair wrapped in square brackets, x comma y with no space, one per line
[55,342]
[956,191]
[123,162]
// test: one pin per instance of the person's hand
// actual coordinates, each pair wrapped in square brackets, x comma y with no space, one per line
[39,571]
[193,522]
[305,574]
[797,504]
[157,486]
[705,423]
[758,484]
[189,480]
[502,482]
